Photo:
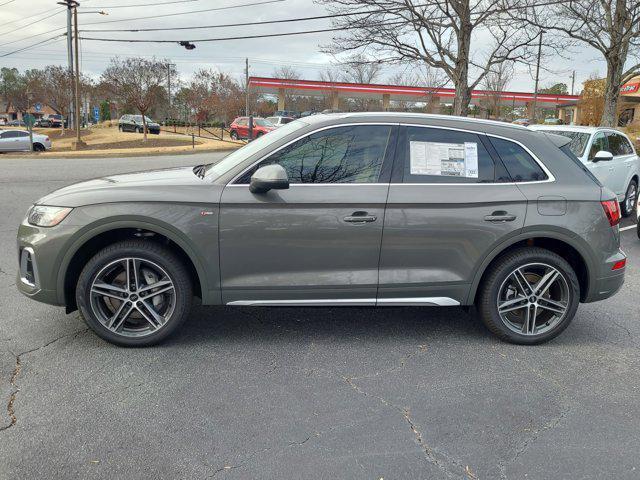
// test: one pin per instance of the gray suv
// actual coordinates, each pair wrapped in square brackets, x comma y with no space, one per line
[364,209]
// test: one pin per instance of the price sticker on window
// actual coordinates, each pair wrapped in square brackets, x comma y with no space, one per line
[444,159]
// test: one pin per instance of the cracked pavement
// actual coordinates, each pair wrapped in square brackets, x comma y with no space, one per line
[308,393]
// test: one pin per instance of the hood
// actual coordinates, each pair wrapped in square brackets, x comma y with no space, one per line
[166,185]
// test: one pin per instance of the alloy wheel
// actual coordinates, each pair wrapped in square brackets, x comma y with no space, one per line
[533,299]
[133,297]
[632,193]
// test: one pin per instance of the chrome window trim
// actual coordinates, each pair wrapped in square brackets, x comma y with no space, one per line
[551,178]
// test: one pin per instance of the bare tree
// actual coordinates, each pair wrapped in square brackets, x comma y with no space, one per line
[440,34]
[495,82]
[286,72]
[57,89]
[612,27]
[138,82]
[360,69]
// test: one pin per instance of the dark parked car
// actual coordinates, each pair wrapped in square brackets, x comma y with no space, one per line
[134,123]
[16,123]
[358,209]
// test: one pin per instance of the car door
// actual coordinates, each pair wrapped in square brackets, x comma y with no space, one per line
[603,170]
[6,142]
[243,127]
[23,141]
[12,142]
[317,242]
[450,201]
[621,163]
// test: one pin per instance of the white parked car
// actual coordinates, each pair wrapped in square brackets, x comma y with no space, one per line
[610,156]
[279,121]
[18,141]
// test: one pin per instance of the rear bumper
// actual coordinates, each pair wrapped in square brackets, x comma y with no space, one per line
[605,287]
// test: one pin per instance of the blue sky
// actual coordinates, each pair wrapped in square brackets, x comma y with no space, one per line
[300,52]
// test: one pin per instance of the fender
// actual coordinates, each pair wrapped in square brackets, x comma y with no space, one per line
[555,233]
[131,221]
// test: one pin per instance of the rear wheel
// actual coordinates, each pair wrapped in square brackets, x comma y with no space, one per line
[630,199]
[134,293]
[529,296]
[38,147]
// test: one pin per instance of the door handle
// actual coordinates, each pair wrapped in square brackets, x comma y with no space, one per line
[360,217]
[500,216]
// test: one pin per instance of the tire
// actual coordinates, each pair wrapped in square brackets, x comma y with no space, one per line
[139,130]
[38,147]
[120,128]
[234,135]
[630,199]
[171,301]
[259,134]
[500,282]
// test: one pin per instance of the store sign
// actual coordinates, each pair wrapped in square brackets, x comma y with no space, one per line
[629,88]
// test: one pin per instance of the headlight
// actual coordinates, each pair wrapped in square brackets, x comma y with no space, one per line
[46,216]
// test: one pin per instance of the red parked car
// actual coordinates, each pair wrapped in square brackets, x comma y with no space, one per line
[239,128]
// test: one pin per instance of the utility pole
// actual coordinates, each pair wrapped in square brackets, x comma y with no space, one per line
[70,5]
[246,83]
[169,65]
[78,143]
[535,93]
[573,81]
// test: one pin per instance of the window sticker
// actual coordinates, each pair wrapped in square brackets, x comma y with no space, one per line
[445,159]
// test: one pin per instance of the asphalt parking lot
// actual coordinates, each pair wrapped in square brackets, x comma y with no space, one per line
[308,393]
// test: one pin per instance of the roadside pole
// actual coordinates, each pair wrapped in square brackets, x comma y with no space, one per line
[78,143]
[29,120]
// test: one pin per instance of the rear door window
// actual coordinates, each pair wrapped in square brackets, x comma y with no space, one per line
[618,144]
[519,163]
[433,155]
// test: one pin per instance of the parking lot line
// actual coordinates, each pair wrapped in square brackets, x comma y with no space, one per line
[628,228]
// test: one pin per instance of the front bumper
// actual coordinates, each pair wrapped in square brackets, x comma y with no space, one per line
[39,257]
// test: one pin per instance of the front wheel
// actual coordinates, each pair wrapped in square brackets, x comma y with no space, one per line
[134,293]
[630,199]
[234,135]
[529,296]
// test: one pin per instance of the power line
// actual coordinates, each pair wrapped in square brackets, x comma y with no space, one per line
[32,23]
[265,22]
[243,37]
[157,4]
[30,16]
[31,46]
[32,36]
[187,13]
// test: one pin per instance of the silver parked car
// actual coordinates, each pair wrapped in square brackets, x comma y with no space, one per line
[18,141]
[610,156]
[358,209]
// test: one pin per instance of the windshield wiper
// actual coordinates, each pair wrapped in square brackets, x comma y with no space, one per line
[200,170]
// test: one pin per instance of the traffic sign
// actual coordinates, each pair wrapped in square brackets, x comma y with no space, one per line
[96,114]
[28,120]
[38,107]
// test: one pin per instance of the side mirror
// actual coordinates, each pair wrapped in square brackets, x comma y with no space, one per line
[603,156]
[269,177]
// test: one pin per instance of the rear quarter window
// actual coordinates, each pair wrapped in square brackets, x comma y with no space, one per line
[519,163]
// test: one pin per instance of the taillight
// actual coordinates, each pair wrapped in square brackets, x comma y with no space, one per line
[612,210]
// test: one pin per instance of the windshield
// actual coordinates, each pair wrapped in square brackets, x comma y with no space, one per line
[138,118]
[261,122]
[233,159]
[273,120]
[578,143]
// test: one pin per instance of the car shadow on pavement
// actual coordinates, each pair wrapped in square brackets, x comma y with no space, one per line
[273,324]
